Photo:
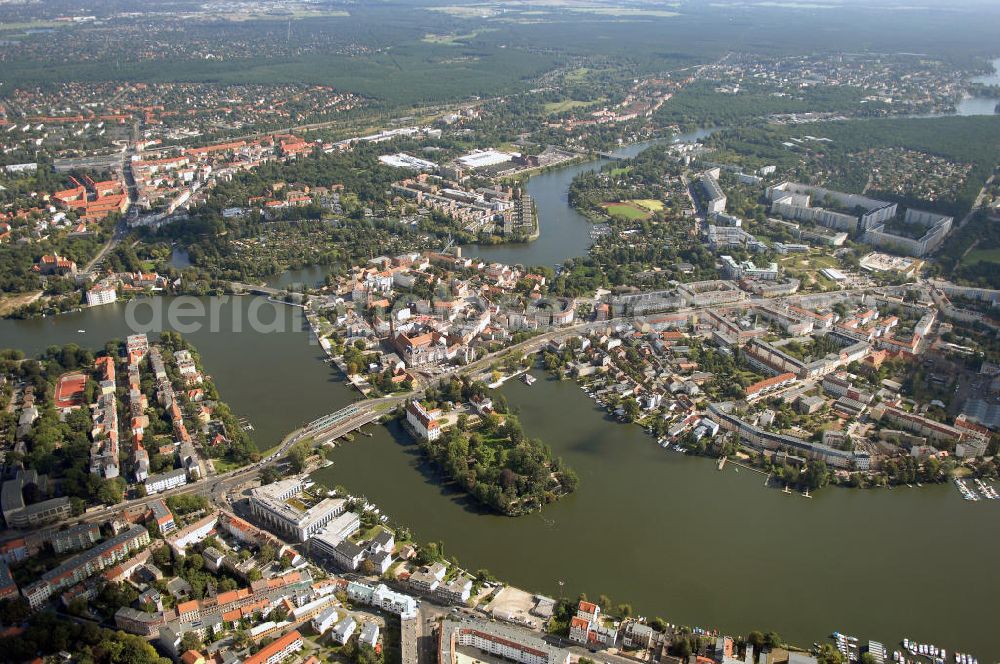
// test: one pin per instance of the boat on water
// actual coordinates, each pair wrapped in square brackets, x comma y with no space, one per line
[528,379]
[81,331]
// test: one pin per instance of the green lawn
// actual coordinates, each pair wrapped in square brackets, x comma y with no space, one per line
[566,105]
[625,211]
[981,256]
[224,465]
[648,203]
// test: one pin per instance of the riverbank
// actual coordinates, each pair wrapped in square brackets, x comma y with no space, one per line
[689,518]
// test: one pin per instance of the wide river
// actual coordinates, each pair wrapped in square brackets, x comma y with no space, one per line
[668,533]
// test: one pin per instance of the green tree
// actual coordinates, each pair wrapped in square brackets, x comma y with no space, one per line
[191,641]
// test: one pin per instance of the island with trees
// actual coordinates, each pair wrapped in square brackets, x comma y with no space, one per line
[490,457]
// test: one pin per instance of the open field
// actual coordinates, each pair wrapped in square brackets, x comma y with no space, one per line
[810,262]
[30,25]
[452,39]
[70,389]
[981,256]
[472,11]
[648,203]
[11,303]
[626,210]
[568,105]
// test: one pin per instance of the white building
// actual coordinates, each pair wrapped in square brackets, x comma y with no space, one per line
[101,294]
[344,630]
[270,503]
[369,634]
[382,597]
[348,555]
[511,643]
[342,527]
[325,621]
[425,423]
[165,481]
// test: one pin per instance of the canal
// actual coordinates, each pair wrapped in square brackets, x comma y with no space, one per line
[675,537]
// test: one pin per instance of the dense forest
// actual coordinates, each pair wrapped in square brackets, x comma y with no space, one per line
[966,139]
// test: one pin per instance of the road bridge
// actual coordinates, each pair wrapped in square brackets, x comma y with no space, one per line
[257,289]
[334,425]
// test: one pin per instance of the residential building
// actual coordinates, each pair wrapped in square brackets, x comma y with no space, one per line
[8,589]
[343,630]
[165,481]
[456,591]
[75,538]
[510,643]
[339,529]
[195,532]
[17,514]
[715,198]
[761,439]
[139,622]
[348,555]
[325,620]
[86,564]
[369,634]
[428,578]
[100,294]
[638,635]
[14,550]
[277,650]
[382,597]
[163,517]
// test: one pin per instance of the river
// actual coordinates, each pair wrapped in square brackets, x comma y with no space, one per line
[276,380]
[675,537]
[565,233]
[666,532]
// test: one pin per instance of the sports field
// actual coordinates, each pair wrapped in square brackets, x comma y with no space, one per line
[69,390]
[625,210]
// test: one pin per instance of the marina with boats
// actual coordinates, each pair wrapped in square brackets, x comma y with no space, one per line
[982,490]
[911,652]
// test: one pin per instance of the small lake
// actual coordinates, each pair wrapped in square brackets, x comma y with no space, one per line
[981,105]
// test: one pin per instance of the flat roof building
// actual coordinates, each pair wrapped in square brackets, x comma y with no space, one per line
[272,504]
